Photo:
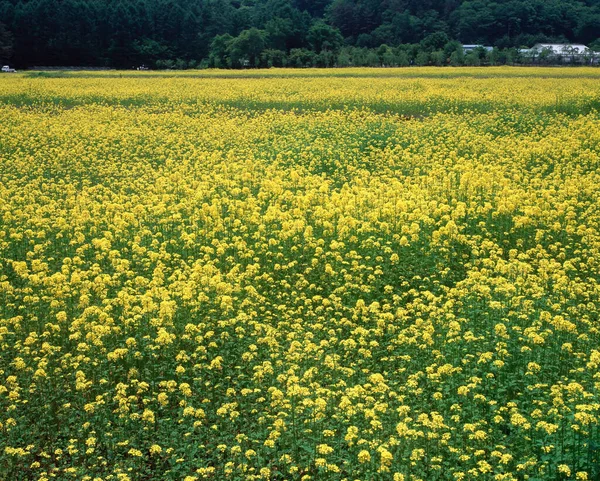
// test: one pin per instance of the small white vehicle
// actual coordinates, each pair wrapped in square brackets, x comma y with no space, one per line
[7,69]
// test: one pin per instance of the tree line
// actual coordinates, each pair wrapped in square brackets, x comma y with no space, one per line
[295,33]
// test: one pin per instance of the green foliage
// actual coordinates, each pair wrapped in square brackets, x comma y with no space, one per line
[324,37]
[595,45]
[273,58]
[219,50]
[301,57]
[128,33]
[472,59]
[150,51]
[344,59]
[434,41]
[246,48]
[422,58]
[6,44]
[279,30]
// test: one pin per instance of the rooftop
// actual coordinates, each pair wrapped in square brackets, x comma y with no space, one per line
[562,47]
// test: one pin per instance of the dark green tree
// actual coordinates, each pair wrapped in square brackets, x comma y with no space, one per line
[324,37]
[316,8]
[150,51]
[219,51]
[273,58]
[6,44]
[588,28]
[246,48]
[279,32]
[301,57]
[434,41]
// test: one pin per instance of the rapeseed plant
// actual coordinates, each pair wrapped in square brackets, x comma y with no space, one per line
[399,279]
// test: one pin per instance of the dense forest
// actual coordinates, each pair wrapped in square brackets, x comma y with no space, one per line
[262,33]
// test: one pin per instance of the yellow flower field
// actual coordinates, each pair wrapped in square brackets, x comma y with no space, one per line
[300,275]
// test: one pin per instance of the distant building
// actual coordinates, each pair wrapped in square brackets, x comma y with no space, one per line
[561,52]
[563,49]
[470,48]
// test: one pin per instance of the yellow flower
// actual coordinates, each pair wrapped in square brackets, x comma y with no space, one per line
[364,456]
[564,469]
[148,416]
[163,399]
[324,449]
[155,449]
[386,459]
[463,391]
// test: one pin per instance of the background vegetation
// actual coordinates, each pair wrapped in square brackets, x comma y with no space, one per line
[295,33]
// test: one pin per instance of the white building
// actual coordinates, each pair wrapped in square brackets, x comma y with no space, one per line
[562,52]
[563,49]
[470,48]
